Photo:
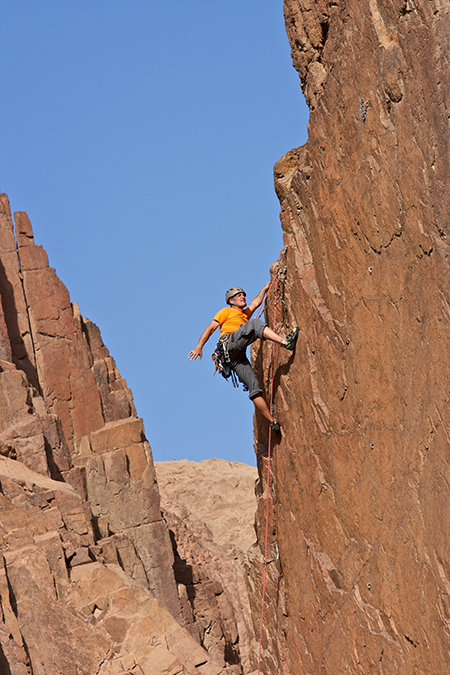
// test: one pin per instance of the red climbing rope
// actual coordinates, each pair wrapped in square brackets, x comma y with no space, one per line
[268,488]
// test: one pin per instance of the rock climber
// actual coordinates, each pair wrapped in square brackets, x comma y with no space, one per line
[237,331]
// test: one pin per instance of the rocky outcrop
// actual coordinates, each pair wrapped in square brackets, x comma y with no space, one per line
[87,579]
[359,490]
[68,605]
[210,509]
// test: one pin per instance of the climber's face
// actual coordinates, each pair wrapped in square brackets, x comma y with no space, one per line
[239,300]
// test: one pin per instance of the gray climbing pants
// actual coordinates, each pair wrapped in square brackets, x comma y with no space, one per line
[238,342]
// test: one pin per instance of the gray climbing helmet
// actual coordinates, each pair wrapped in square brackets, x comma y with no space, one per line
[231,292]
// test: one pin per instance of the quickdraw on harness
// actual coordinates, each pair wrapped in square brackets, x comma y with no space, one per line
[221,357]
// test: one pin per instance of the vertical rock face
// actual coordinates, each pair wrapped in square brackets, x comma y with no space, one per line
[359,495]
[86,565]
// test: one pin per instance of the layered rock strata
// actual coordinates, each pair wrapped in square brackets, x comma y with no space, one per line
[359,492]
[86,567]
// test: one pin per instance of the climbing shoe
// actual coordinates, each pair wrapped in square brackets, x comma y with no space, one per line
[275,426]
[292,339]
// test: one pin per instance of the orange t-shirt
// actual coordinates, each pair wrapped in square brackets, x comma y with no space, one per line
[230,319]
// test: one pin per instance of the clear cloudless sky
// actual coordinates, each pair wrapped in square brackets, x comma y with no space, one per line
[140,137]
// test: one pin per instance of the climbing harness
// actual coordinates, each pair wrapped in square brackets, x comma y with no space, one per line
[277,295]
[222,361]
[221,357]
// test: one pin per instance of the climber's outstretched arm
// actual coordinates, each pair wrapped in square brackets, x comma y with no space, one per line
[255,303]
[204,337]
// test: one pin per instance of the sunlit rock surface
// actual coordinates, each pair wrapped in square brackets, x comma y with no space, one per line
[359,495]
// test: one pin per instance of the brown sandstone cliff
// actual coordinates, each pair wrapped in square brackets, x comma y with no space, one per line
[360,498]
[87,581]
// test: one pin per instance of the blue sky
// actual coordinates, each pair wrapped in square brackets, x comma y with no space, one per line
[140,137]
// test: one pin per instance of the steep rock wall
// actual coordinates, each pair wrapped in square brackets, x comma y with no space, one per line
[359,494]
